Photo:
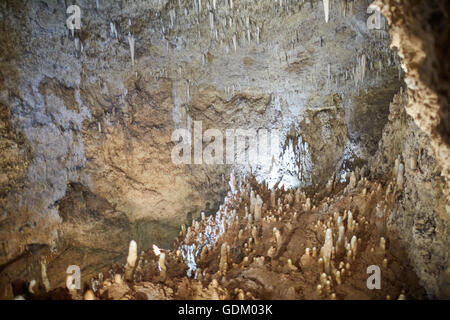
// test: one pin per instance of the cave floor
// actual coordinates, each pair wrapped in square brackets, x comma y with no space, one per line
[260,262]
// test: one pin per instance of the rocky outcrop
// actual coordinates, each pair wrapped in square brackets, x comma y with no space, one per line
[420,31]
[418,216]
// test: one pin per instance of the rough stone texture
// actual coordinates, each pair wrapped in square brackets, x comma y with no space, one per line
[420,31]
[418,214]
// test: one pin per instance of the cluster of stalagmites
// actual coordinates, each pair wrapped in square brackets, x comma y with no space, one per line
[319,244]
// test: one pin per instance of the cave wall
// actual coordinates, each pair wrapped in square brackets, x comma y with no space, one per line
[418,217]
[420,32]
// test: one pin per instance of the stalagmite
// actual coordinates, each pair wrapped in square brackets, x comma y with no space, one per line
[291,266]
[252,202]
[326,250]
[162,266]
[89,295]
[118,278]
[382,245]
[258,208]
[329,185]
[223,263]
[320,264]
[44,277]
[255,234]
[349,255]
[271,252]
[250,219]
[277,236]
[131,260]
[183,230]
[31,286]
[350,222]
[272,198]
[338,277]
[307,206]
[353,246]
[319,289]
[232,183]
[328,286]
[340,241]
[204,253]
[305,260]
[298,196]
[323,279]
[352,183]
[198,274]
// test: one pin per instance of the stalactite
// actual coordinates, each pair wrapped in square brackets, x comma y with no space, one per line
[211,20]
[131,43]
[400,176]
[172,15]
[326,9]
